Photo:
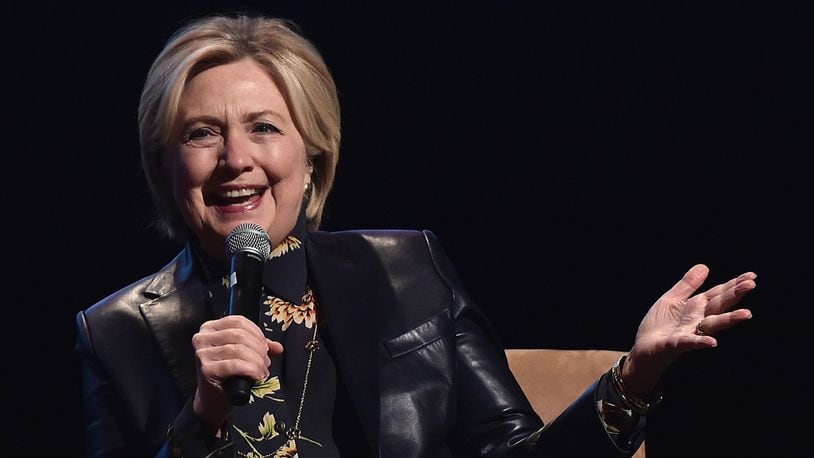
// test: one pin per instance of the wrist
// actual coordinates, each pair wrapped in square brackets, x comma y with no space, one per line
[638,403]
[641,376]
[211,413]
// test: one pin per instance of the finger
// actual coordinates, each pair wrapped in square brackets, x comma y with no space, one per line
[690,341]
[730,297]
[233,352]
[714,324]
[231,336]
[218,371]
[718,289]
[233,321]
[274,348]
[689,283]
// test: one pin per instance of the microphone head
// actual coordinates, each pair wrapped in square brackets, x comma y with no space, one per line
[248,237]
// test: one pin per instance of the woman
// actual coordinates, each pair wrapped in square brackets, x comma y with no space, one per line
[367,344]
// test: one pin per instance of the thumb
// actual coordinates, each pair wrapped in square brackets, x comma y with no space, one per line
[274,348]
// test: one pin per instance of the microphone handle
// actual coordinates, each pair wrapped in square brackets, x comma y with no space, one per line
[245,287]
[238,390]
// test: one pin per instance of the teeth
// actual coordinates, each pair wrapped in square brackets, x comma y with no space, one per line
[238,193]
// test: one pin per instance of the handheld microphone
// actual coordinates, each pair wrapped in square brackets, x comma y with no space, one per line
[247,246]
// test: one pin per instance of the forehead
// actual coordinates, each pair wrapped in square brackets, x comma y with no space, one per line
[244,85]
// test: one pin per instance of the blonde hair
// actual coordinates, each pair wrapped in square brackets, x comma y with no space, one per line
[294,64]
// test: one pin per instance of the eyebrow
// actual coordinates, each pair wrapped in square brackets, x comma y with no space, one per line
[258,114]
[206,119]
[251,116]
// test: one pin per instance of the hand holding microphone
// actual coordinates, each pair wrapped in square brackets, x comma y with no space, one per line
[234,344]
[247,246]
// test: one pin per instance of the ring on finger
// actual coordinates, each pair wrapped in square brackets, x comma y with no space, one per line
[699,330]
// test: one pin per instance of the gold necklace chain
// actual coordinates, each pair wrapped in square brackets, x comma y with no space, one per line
[295,433]
[312,346]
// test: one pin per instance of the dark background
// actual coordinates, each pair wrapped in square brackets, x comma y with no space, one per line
[574,158]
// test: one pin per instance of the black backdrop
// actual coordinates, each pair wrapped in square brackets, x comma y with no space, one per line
[574,158]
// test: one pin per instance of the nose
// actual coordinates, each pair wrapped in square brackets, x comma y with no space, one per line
[237,154]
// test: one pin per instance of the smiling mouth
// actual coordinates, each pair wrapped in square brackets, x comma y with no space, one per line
[241,198]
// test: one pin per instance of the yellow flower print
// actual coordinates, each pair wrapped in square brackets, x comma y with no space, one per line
[290,243]
[265,389]
[288,450]
[266,430]
[266,427]
[285,312]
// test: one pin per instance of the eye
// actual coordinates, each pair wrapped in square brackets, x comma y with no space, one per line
[201,137]
[201,132]
[265,128]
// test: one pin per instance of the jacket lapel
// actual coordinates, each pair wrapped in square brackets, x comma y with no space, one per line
[344,288]
[174,311]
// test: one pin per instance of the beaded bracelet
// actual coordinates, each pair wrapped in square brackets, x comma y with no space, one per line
[637,404]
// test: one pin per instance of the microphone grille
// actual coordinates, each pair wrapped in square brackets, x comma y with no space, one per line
[248,236]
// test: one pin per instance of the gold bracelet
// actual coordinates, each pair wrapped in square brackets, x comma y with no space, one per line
[637,404]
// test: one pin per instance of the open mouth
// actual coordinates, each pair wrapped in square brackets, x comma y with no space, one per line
[240,199]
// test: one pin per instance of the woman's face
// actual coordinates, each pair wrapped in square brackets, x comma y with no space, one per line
[239,158]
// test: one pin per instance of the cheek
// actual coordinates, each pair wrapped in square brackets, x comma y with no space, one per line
[291,182]
[185,179]
[287,171]
[280,167]
[188,170]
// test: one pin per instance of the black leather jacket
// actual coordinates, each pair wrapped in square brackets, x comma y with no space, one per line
[423,335]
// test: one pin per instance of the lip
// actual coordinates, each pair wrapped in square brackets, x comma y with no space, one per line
[252,203]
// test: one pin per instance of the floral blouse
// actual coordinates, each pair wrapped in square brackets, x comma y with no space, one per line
[290,412]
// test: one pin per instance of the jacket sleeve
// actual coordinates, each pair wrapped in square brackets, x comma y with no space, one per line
[108,433]
[105,435]
[495,418]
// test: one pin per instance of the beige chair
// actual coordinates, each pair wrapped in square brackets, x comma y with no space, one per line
[553,378]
